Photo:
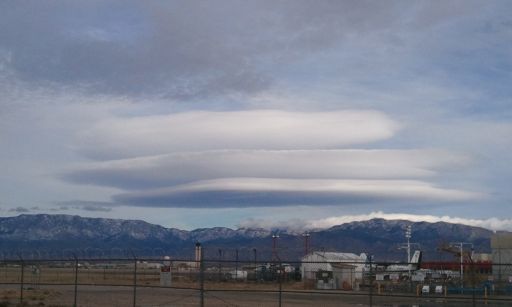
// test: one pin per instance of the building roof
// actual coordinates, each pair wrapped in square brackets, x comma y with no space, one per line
[334,256]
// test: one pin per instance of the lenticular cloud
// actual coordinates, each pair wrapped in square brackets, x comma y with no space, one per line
[259,158]
[261,129]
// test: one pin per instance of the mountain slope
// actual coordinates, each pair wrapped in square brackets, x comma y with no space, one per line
[54,236]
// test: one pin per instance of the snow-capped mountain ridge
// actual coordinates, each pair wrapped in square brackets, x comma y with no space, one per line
[56,232]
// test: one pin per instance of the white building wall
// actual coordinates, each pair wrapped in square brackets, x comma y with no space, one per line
[316,261]
[313,263]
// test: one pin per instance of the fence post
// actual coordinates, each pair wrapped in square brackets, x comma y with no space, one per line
[220,264]
[473,277]
[201,278]
[134,279]
[5,267]
[236,265]
[371,282]
[280,284]
[76,280]
[22,278]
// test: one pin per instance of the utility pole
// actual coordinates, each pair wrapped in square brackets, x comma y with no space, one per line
[275,256]
[460,245]
[408,232]
[255,252]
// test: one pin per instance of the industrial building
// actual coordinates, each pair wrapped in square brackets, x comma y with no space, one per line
[333,270]
[480,263]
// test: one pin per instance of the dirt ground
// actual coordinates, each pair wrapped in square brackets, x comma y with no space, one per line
[110,287]
[115,296]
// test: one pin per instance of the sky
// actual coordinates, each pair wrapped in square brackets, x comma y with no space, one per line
[193,114]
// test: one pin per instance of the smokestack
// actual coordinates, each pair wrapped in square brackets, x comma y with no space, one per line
[198,254]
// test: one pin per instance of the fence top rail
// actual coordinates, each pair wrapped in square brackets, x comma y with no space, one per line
[212,261]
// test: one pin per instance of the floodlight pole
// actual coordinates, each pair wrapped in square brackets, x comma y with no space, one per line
[408,233]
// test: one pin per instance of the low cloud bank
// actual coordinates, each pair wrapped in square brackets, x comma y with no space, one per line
[292,225]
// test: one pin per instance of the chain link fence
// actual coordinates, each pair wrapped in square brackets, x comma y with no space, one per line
[161,281]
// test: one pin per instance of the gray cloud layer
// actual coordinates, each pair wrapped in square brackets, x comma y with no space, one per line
[176,49]
[190,49]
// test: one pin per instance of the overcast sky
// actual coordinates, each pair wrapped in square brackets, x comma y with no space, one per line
[257,113]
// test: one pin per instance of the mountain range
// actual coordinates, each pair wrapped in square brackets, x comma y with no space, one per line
[61,236]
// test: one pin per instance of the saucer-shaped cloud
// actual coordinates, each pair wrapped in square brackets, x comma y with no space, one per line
[259,129]
[259,158]
[254,192]
[180,168]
